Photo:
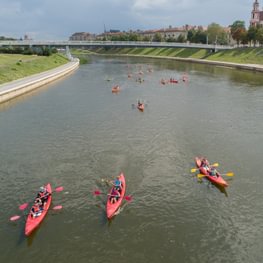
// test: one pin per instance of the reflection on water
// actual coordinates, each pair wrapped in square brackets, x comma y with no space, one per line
[76,133]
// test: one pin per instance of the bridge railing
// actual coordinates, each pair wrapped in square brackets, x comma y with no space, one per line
[71,43]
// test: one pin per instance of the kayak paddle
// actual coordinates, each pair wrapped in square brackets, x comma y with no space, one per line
[227,174]
[16,217]
[24,206]
[196,169]
[98,192]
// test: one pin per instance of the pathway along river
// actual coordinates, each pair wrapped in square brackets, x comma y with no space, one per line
[75,132]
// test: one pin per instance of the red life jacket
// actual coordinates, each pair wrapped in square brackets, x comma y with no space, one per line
[41,194]
[36,209]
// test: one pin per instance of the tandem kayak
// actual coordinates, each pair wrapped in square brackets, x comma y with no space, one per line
[218,179]
[111,209]
[33,222]
[115,89]
[140,107]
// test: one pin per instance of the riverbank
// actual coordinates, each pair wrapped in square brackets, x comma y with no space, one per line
[21,86]
[16,66]
[239,58]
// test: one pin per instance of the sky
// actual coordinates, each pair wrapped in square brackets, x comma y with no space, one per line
[59,19]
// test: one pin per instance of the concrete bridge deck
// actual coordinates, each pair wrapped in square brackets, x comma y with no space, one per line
[58,43]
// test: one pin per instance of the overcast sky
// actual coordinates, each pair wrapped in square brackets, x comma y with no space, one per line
[59,19]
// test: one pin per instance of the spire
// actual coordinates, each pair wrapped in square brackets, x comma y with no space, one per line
[255,14]
[256,6]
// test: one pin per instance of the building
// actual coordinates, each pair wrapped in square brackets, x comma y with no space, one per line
[82,36]
[256,15]
[166,33]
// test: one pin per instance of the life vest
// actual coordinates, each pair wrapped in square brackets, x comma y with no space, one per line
[42,194]
[36,208]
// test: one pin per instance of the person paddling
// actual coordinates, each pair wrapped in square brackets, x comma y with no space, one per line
[115,195]
[213,172]
[35,210]
[205,164]
[117,184]
[43,195]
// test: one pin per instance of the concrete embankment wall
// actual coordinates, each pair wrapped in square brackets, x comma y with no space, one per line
[19,87]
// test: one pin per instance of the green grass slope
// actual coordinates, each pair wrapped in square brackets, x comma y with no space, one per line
[14,66]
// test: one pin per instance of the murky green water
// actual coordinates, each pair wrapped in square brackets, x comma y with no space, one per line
[75,132]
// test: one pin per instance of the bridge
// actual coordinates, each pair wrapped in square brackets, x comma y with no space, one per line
[87,44]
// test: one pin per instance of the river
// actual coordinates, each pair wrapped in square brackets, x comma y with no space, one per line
[76,133]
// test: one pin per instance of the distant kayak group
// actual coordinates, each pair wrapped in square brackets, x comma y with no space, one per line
[184,78]
[140,106]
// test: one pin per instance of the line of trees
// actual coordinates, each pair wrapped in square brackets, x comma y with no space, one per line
[214,34]
[40,51]
[253,35]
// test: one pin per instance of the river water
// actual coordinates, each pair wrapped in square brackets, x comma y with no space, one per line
[75,133]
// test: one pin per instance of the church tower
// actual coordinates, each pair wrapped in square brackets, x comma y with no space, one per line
[255,14]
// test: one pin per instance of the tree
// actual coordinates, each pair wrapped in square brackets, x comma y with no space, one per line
[190,35]
[259,35]
[146,39]
[200,37]
[181,38]
[252,34]
[157,37]
[217,34]
[237,29]
[213,31]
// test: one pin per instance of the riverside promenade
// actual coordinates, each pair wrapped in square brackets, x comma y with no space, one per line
[19,87]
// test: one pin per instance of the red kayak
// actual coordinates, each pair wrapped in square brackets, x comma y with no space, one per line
[140,107]
[111,209]
[218,179]
[33,222]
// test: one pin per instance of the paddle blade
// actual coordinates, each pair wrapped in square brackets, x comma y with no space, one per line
[200,175]
[58,207]
[229,174]
[194,170]
[59,189]
[96,192]
[215,164]
[128,198]
[14,218]
[23,206]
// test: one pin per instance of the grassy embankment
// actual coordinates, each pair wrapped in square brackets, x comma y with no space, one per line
[15,66]
[238,55]
[81,54]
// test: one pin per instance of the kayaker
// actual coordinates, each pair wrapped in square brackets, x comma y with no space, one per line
[117,183]
[115,195]
[43,194]
[205,164]
[140,103]
[35,210]
[38,201]
[213,172]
